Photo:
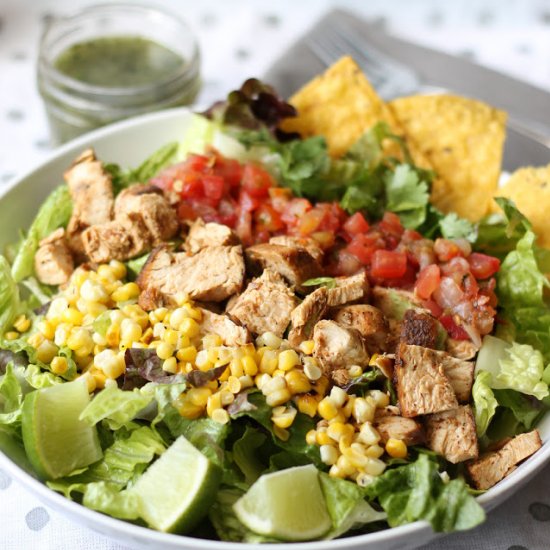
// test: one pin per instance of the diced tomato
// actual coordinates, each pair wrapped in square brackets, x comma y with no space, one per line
[482,265]
[247,202]
[196,163]
[427,282]
[191,186]
[243,227]
[268,219]
[256,181]
[346,264]
[228,169]
[228,212]
[294,210]
[446,250]
[454,331]
[406,281]
[362,247]
[391,225]
[311,221]
[214,187]
[356,224]
[186,212]
[409,235]
[280,196]
[387,264]
[324,238]
[433,307]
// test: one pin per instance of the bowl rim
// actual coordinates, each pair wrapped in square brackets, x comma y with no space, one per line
[72,509]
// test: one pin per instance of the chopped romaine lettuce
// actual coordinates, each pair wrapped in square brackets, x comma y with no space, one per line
[485,403]
[11,399]
[9,296]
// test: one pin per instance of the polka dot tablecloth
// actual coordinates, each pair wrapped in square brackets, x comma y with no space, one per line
[240,39]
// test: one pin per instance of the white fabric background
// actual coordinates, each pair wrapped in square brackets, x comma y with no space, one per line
[241,38]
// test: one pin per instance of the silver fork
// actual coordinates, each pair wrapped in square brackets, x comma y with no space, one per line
[389,77]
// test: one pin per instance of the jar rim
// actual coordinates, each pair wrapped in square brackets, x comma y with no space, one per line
[97,10]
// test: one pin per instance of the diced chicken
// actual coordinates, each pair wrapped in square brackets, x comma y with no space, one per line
[461,349]
[148,202]
[349,289]
[452,434]
[121,239]
[369,321]
[337,347]
[295,264]
[419,328]
[53,263]
[393,302]
[304,317]
[422,386]
[203,234]
[460,374]
[91,191]
[265,305]
[490,468]
[231,333]
[390,425]
[309,245]
[213,274]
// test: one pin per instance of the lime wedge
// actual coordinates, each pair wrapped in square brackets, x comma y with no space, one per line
[176,491]
[56,441]
[287,505]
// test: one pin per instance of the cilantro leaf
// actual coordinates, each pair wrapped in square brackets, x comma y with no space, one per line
[454,227]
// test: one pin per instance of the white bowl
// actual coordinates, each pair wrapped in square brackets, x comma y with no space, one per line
[128,143]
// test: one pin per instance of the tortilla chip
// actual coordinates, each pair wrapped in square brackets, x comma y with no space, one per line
[463,140]
[341,105]
[529,188]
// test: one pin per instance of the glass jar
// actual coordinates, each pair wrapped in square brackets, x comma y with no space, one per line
[75,106]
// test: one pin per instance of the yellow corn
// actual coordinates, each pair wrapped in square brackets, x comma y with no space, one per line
[278,397]
[313,372]
[72,316]
[193,312]
[338,396]
[283,417]
[190,327]
[396,448]
[375,451]
[165,350]
[327,409]
[46,351]
[90,381]
[170,365]
[125,292]
[212,341]
[268,339]
[381,399]
[373,360]
[345,465]
[171,337]
[99,378]
[59,365]
[214,402]
[112,335]
[22,324]
[311,437]
[226,398]
[234,384]
[297,382]
[348,407]
[329,454]
[130,331]
[80,340]
[321,385]
[35,340]
[337,430]
[307,404]
[188,409]
[345,441]
[118,269]
[355,371]
[221,416]
[188,353]
[335,471]
[281,433]
[199,396]
[307,347]
[323,438]
[363,410]
[269,362]
[374,467]
[249,365]
[11,335]
[288,359]
[368,434]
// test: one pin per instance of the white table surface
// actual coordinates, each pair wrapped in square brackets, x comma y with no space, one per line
[241,38]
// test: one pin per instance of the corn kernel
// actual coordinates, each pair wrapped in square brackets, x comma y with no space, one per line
[283,417]
[165,350]
[363,410]
[188,353]
[93,291]
[345,465]
[364,480]
[307,347]
[249,365]
[221,416]
[159,313]
[170,337]
[313,372]
[288,359]
[59,365]
[189,327]
[72,316]
[269,362]
[135,312]
[199,396]
[90,381]
[226,398]
[311,437]
[347,409]
[61,334]
[126,292]
[269,339]
[118,269]
[234,384]
[46,351]
[381,399]
[170,365]
[396,448]
[307,404]
[278,397]
[329,454]
[374,467]
[374,451]
[323,438]
[261,379]
[327,409]
[22,324]
[99,378]
[80,340]
[336,430]
[112,336]
[214,402]
[336,472]
[297,382]
[345,441]
[273,384]
[373,360]
[11,335]
[355,371]
[188,409]
[338,396]
[281,433]
[368,434]
[34,340]
[130,331]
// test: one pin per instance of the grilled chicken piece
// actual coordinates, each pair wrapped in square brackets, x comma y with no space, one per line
[304,317]
[213,274]
[295,264]
[53,263]
[452,434]
[460,374]
[121,239]
[419,328]
[336,348]
[461,349]
[309,245]
[368,320]
[91,191]
[148,202]
[265,305]
[422,386]
[389,424]
[491,467]
[231,333]
[203,234]
[349,289]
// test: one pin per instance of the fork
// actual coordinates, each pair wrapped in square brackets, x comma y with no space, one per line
[388,76]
